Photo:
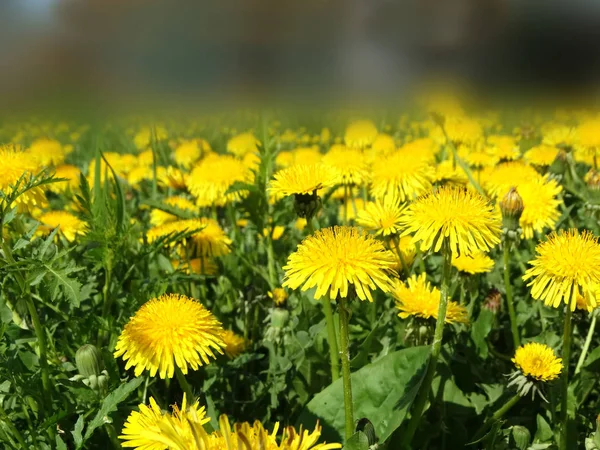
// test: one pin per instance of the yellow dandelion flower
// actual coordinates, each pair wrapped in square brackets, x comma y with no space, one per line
[145,135]
[284,159]
[139,174]
[538,361]
[303,179]
[71,173]
[558,134]
[403,175]
[541,155]
[307,155]
[351,208]
[172,330]
[463,130]
[251,161]
[383,144]
[466,219]
[588,134]
[243,143]
[503,147]
[423,148]
[383,217]
[541,202]
[498,180]
[566,265]
[350,163]
[450,173]
[278,295]
[332,259]
[418,298]
[276,232]
[208,240]
[360,134]
[48,152]
[171,177]
[159,217]
[201,266]
[408,250]
[13,165]
[69,225]
[235,345]
[477,262]
[145,158]
[187,153]
[210,179]
[477,156]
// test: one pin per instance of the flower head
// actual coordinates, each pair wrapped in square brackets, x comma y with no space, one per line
[278,295]
[542,155]
[187,153]
[47,152]
[360,134]
[243,143]
[566,265]
[168,331]
[235,344]
[538,361]
[159,217]
[478,262]
[303,179]
[418,298]
[541,202]
[465,218]
[334,258]
[13,165]
[350,163]
[383,217]
[69,225]
[71,173]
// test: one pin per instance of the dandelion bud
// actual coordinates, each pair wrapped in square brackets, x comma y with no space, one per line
[279,317]
[493,300]
[307,205]
[521,436]
[592,179]
[368,429]
[278,295]
[88,361]
[512,208]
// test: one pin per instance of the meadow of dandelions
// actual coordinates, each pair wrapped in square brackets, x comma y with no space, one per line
[259,281]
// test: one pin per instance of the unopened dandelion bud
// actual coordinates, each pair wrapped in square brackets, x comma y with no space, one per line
[368,429]
[592,179]
[307,205]
[493,300]
[279,317]
[512,208]
[89,361]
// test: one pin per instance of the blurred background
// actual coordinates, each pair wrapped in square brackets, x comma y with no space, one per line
[234,50]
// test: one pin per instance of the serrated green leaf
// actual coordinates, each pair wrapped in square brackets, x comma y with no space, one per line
[110,403]
[77,432]
[120,206]
[383,392]
[47,242]
[70,286]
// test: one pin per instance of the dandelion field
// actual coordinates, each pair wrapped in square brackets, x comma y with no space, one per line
[253,281]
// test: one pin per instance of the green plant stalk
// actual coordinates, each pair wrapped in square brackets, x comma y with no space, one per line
[345,354]
[13,429]
[102,334]
[42,345]
[420,256]
[334,356]
[271,260]
[112,435]
[183,383]
[509,299]
[586,345]
[396,242]
[566,355]
[436,347]
[496,416]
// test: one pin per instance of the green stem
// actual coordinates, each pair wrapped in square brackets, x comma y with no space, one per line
[396,242]
[436,347]
[420,256]
[345,353]
[345,204]
[106,299]
[40,334]
[334,356]
[566,355]
[586,345]
[112,435]
[185,386]
[13,429]
[496,416]
[509,299]
[271,259]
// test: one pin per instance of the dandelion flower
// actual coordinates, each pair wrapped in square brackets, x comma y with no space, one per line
[159,217]
[477,156]
[588,134]
[383,144]
[69,225]
[542,155]
[350,163]
[418,298]
[360,134]
[446,172]
[332,259]
[466,219]
[208,240]
[504,147]
[48,152]
[242,144]
[13,165]
[408,250]
[498,180]
[202,266]
[72,175]
[463,130]
[278,295]
[538,361]
[478,262]
[172,177]
[566,265]
[209,181]
[303,179]
[235,345]
[383,217]
[172,330]
[187,153]
[541,202]
[403,175]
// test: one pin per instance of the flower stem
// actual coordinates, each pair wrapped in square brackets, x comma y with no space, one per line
[40,334]
[185,386]
[586,345]
[566,355]
[334,355]
[345,204]
[436,347]
[509,299]
[345,353]
[106,299]
[496,416]
[13,429]
[396,242]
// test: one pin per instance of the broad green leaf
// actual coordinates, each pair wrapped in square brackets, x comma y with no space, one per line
[382,392]
[77,436]
[358,441]
[60,444]
[543,432]
[110,404]
[481,329]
